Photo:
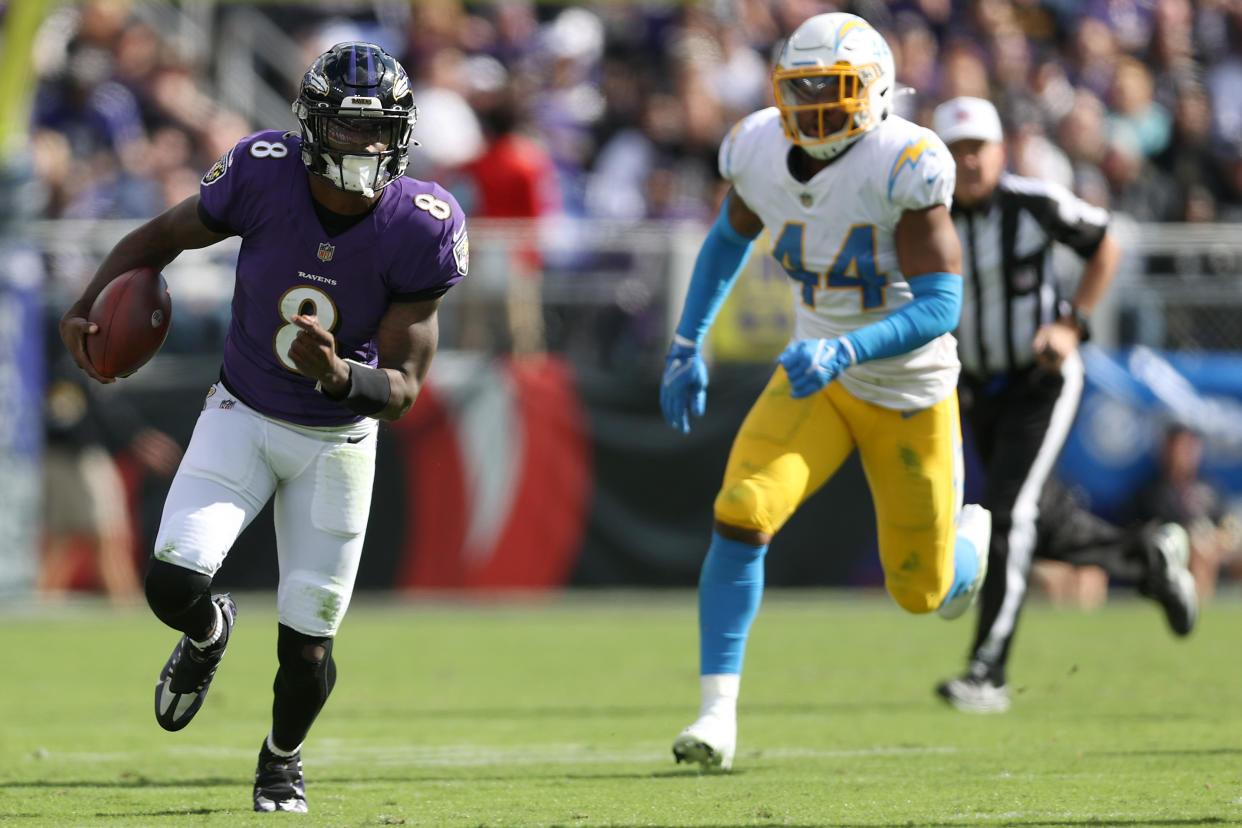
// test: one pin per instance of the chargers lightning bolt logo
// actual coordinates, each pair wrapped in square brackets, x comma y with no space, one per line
[911,154]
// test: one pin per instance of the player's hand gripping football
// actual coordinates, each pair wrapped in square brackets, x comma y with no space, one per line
[683,390]
[74,328]
[813,363]
[314,353]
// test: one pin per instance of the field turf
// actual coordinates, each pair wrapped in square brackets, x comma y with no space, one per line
[560,711]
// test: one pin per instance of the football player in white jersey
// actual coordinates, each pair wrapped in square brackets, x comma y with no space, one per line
[856,202]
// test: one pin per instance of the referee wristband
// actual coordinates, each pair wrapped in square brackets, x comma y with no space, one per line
[1077,316]
[368,391]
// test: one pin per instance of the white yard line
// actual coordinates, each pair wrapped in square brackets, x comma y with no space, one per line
[1075,817]
[347,752]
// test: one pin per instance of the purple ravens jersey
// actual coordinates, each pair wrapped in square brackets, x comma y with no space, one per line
[412,243]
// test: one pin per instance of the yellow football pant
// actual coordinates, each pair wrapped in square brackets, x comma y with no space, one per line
[786,449]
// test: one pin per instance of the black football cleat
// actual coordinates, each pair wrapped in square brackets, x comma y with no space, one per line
[187,675]
[278,782]
[1171,582]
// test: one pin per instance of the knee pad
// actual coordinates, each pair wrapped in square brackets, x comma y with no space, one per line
[916,584]
[177,595]
[306,663]
[303,683]
[913,600]
[748,504]
[916,581]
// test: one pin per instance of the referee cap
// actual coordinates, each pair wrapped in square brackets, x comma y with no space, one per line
[967,118]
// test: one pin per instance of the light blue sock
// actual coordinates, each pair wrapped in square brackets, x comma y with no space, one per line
[730,589]
[965,567]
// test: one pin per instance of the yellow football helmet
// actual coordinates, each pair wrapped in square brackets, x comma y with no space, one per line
[834,82]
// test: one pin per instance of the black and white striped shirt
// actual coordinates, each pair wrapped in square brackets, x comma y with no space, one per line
[1010,288]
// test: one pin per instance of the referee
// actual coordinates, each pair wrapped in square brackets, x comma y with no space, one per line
[1022,379]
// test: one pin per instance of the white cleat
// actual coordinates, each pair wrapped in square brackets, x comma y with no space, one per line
[710,741]
[974,695]
[1172,583]
[975,524]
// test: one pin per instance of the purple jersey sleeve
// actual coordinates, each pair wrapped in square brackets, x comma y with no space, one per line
[411,245]
[222,189]
[435,250]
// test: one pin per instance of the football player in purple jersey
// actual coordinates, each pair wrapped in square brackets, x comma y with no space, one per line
[343,265]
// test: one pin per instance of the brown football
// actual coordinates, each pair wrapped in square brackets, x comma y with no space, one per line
[133,314]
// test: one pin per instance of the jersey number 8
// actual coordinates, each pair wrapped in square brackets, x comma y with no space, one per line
[439,209]
[307,301]
[268,149]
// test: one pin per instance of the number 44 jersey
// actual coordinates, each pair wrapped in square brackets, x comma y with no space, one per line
[412,246]
[833,235]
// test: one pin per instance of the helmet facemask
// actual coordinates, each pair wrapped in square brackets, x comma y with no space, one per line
[355,150]
[824,109]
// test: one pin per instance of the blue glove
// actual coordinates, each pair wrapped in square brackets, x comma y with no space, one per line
[813,363]
[683,391]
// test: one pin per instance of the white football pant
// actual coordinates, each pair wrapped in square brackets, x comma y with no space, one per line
[321,479]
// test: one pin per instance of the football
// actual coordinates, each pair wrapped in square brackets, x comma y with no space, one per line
[133,314]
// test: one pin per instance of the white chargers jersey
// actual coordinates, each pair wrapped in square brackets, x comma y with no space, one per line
[833,235]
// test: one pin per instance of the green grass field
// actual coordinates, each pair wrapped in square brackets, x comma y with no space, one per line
[560,711]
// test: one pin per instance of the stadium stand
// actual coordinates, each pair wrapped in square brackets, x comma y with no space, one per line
[1136,106]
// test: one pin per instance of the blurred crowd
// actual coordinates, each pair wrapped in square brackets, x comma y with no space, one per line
[1134,104]
[615,111]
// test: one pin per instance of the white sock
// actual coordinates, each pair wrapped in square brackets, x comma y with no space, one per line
[718,694]
[282,753]
[217,631]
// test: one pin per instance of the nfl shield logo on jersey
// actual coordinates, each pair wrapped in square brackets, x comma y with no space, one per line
[326,251]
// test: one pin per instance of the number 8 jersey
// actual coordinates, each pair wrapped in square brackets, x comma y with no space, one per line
[412,246]
[833,235]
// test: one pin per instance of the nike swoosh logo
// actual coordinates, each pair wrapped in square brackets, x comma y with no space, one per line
[905,415]
[460,231]
[933,178]
[678,368]
[357,439]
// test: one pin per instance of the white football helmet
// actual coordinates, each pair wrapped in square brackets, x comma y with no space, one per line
[833,63]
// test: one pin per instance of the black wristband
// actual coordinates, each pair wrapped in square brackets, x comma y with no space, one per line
[369,390]
[1068,310]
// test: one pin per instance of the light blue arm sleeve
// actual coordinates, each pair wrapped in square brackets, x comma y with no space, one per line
[934,311]
[715,270]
